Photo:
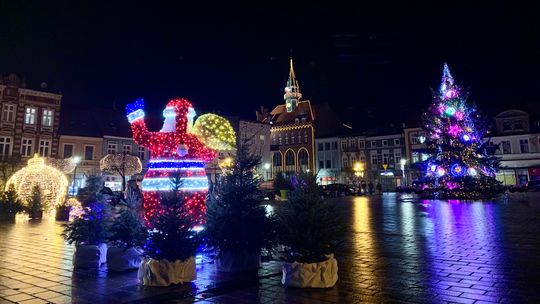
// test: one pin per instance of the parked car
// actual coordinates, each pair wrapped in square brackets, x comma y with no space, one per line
[533,185]
[334,190]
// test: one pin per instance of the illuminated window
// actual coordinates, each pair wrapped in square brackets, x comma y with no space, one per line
[47,118]
[30,116]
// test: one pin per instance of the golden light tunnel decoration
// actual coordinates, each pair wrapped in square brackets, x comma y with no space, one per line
[52,183]
[215,132]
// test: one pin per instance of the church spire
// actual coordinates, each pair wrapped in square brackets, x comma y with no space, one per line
[292,90]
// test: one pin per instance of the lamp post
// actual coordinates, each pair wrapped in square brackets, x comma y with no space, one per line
[402,162]
[76,160]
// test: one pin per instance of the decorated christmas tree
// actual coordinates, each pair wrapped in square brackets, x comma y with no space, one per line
[461,162]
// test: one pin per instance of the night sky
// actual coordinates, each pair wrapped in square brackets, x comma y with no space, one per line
[377,61]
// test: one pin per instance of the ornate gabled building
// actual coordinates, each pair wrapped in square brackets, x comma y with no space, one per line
[29,121]
[292,131]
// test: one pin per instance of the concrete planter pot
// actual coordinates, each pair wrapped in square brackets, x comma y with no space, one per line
[238,261]
[89,256]
[310,275]
[164,273]
[121,259]
[283,194]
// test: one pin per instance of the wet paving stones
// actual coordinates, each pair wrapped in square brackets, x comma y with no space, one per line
[397,251]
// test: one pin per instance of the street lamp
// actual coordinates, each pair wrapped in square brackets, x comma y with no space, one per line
[76,161]
[402,163]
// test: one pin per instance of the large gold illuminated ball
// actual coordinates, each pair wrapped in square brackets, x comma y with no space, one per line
[215,132]
[52,183]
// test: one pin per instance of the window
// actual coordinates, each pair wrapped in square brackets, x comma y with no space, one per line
[507,125]
[414,139]
[280,141]
[127,149]
[345,163]
[292,138]
[385,157]
[328,163]
[296,120]
[299,138]
[111,148]
[396,142]
[88,152]
[385,143]
[303,119]
[415,157]
[506,147]
[374,159]
[5,146]
[373,144]
[305,137]
[27,146]
[30,116]
[68,150]
[321,164]
[353,160]
[273,139]
[8,113]
[379,159]
[327,146]
[344,145]
[47,118]
[397,156]
[44,147]
[141,153]
[524,145]
[353,145]
[518,124]
[362,144]
[286,138]
[319,147]
[334,145]
[363,159]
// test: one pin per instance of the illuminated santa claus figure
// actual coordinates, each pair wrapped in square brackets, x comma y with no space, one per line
[174,150]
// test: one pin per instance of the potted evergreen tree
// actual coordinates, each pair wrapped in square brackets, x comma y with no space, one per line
[171,243]
[89,232]
[283,184]
[127,235]
[10,204]
[310,230]
[236,223]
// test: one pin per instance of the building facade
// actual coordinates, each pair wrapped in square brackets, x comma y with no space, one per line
[29,121]
[92,134]
[328,161]
[384,154]
[292,132]
[353,151]
[518,148]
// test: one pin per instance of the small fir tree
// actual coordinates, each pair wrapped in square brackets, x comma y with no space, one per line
[127,230]
[34,204]
[92,227]
[10,203]
[461,162]
[308,227]
[235,219]
[172,236]
[92,192]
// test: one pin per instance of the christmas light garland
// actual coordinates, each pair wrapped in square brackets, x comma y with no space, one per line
[52,183]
